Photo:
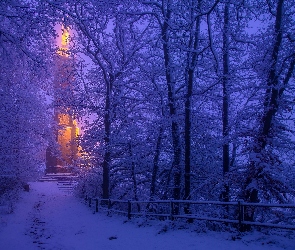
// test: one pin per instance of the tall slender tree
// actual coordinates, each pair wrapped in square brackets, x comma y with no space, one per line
[278,77]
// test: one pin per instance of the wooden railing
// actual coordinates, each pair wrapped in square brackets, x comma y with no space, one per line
[267,215]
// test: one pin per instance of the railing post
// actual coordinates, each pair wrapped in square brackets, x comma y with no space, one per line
[109,206]
[171,210]
[96,205]
[241,213]
[129,210]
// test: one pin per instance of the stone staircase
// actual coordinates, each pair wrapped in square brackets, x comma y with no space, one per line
[65,181]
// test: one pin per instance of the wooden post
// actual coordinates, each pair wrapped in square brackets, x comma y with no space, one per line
[171,210]
[129,210]
[96,205]
[89,202]
[109,206]
[240,213]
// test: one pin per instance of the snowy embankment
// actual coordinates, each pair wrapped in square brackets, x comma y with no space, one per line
[48,218]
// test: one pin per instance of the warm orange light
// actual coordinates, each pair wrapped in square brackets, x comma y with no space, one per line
[77,131]
[65,37]
[65,40]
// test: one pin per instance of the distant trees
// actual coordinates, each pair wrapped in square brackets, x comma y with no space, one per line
[25,46]
[24,125]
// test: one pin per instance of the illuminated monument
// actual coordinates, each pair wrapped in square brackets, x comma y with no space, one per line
[67,130]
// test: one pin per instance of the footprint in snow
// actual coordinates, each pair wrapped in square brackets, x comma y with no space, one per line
[113,238]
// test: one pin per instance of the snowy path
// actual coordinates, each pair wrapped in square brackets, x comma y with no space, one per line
[47,218]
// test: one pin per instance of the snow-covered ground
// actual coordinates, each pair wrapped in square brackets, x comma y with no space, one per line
[47,218]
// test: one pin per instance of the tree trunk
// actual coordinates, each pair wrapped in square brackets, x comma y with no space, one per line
[156,165]
[225,102]
[133,175]
[271,104]
[172,108]
[190,70]
[270,100]
[272,92]
[107,154]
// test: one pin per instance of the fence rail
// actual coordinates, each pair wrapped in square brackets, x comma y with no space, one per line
[266,215]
